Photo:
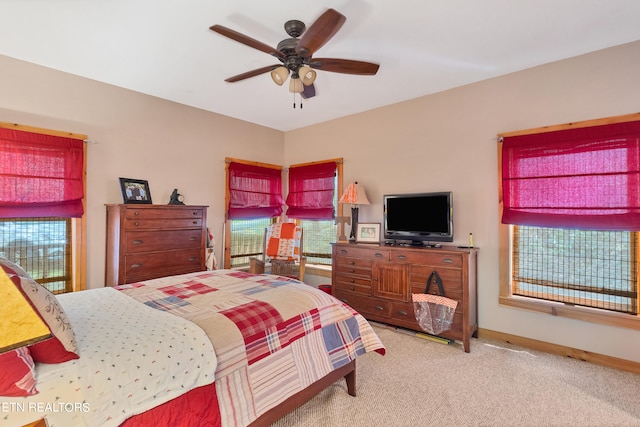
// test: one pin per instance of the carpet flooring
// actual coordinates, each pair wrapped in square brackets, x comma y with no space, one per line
[423,383]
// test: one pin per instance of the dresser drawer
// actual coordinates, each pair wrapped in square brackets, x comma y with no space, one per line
[353,284]
[362,304]
[162,224]
[158,264]
[403,314]
[374,254]
[444,259]
[150,241]
[164,212]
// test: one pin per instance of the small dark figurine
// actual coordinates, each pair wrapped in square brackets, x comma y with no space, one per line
[176,199]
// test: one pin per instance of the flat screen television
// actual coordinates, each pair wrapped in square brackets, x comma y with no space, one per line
[419,218]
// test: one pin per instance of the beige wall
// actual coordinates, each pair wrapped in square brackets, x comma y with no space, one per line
[445,141]
[134,136]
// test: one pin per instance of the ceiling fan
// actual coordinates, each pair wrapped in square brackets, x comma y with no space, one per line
[296,54]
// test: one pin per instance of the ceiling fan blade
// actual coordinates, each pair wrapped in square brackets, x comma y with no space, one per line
[308,92]
[345,66]
[252,73]
[325,27]
[246,40]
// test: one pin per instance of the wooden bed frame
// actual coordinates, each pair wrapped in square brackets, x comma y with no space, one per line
[348,371]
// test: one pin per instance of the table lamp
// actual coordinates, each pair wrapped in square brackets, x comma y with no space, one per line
[20,325]
[355,195]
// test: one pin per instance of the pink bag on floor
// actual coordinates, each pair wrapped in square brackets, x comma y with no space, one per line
[434,313]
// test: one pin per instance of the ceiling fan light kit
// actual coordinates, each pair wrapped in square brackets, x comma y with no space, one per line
[295,85]
[295,54]
[279,75]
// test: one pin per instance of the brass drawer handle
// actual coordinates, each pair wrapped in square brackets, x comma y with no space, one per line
[402,257]
[403,313]
[447,260]
[137,242]
[378,255]
[193,258]
[379,308]
[136,265]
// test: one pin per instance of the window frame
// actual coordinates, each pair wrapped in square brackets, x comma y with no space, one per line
[505,251]
[319,269]
[78,225]
[339,188]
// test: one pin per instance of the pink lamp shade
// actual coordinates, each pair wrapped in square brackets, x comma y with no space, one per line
[354,194]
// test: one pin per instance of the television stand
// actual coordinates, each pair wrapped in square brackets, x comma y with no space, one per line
[378,280]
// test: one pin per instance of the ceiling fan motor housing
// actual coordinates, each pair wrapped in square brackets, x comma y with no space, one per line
[291,60]
[294,28]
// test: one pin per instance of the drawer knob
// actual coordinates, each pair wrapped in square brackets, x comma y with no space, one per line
[378,255]
[136,265]
[402,257]
[352,288]
[351,270]
[379,308]
[136,223]
[403,313]
[193,258]
[195,222]
[136,242]
[194,212]
[352,263]
[343,251]
[193,238]
[353,280]
[136,213]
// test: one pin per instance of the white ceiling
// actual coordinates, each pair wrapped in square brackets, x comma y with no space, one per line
[165,48]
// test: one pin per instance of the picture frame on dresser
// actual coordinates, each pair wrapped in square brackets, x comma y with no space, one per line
[368,232]
[135,191]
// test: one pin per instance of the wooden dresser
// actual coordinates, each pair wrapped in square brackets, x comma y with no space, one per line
[149,241]
[378,280]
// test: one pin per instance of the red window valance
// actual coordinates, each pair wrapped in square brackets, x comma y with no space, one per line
[587,178]
[311,191]
[40,175]
[254,191]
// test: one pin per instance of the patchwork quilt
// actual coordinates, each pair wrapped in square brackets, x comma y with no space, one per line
[272,336]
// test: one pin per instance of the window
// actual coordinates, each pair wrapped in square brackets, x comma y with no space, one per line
[313,201]
[577,267]
[254,197]
[247,240]
[42,246]
[41,204]
[571,215]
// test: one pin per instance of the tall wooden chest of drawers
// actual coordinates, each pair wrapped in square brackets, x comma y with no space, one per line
[378,280]
[149,241]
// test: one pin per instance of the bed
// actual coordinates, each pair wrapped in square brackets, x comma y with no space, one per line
[213,348]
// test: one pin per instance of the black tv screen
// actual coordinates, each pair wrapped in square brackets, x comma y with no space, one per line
[419,218]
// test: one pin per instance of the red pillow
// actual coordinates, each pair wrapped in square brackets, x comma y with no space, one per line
[62,346]
[17,373]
